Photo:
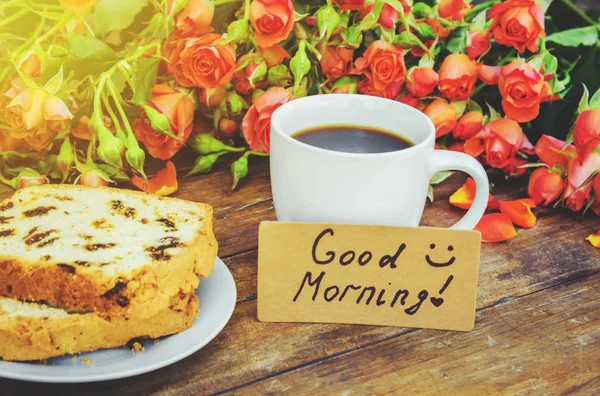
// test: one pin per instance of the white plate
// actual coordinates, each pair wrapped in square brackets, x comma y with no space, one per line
[217,295]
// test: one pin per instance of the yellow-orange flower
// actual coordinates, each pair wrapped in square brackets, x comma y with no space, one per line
[458,75]
[443,115]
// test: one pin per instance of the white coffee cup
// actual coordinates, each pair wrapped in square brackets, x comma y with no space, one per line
[312,184]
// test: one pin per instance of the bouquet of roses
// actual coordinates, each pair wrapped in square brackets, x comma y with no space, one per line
[90,90]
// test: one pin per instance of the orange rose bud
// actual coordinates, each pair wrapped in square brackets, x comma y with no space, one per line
[350,5]
[496,227]
[469,125]
[453,10]
[522,88]
[228,127]
[519,212]
[552,151]
[489,75]
[32,66]
[503,139]
[383,66]
[336,62]
[273,21]
[274,55]
[518,24]
[438,29]
[545,186]
[594,239]
[163,184]
[443,115]
[418,52]
[464,196]
[256,126]
[387,17]
[211,97]
[478,43]
[56,114]
[458,75]
[576,196]
[586,133]
[205,64]
[93,178]
[195,19]
[474,147]
[39,138]
[421,81]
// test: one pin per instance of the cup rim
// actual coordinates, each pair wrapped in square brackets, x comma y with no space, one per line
[281,110]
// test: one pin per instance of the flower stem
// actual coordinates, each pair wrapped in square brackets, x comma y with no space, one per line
[13,17]
[246,9]
[579,12]
[478,8]
[221,2]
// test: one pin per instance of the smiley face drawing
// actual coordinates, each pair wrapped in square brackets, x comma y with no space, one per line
[437,264]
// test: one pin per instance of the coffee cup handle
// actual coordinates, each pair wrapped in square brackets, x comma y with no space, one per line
[451,160]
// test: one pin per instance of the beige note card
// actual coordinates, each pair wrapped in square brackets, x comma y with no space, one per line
[394,276]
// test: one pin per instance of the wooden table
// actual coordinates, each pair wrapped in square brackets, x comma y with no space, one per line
[537,327]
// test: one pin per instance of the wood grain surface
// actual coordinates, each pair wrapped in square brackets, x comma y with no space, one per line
[537,327]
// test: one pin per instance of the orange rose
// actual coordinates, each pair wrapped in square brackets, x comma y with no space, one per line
[350,5]
[503,139]
[586,133]
[273,21]
[443,115]
[25,111]
[418,52]
[383,65]
[39,138]
[82,131]
[552,151]
[336,62]
[469,125]
[453,10]
[211,97]
[545,186]
[522,89]
[195,19]
[412,101]
[256,126]
[576,196]
[478,43]
[421,81]
[56,114]
[490,75]
[387,17]
[172,51]
[274,55]
[438,29]
[518,24]
[458,75]
[179,109]
[9,143]
[207,64]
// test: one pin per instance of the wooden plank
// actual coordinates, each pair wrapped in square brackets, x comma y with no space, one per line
[547,342]
[248,350]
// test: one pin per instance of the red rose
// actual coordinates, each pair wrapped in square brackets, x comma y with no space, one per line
[350,5]
[453,10]
[518,24]
[387,17]
[421,81]
[443,115]
[586,133]
[383,65]
[522,88]
[458,75]
[469,125]
[503,139]
[545,186]
[273,21]
[256,126]
[478,43]
[336,62]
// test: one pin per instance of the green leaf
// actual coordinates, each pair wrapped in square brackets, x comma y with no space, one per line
[583,103]
[587,36]
[569,139]
[550,63]
[533,165]
[458,42]
[143,79]
[300,64]
[204,163]
[544,4]
[479,21]
[116,14]
[595,101]
[494,115]
[53,85]
[459,106]
[474,106]
[89,48]
[430,194]
[426,31]
[440,177]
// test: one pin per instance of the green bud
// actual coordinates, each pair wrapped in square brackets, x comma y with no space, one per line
[327,21]
[406,40]
[345,84]
[233,105]
[300,64]
[204,163]
[237,31]
[158,121]
[135,156]
[259,73]
[111,148]
[421,10]
[302,90]
[204,143]
[26,177]
[279,75]
[239,169]
[65,158]
[121,134]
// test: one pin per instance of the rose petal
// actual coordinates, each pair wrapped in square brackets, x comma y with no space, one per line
[519,212]
[163,184]
[463,197]
[496,227]
[594,239]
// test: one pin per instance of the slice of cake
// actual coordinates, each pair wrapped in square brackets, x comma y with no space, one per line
[32,331]
[104,250]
